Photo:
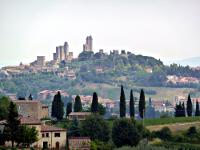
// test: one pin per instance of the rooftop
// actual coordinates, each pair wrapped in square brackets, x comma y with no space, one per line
[79,113]
[30,121]
[47,128]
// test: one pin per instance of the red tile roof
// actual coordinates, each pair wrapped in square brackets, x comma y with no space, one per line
[30,121]
[79,113]
[47,128]
[79,138]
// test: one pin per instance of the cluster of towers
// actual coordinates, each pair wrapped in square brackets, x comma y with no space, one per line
[88,45]
[62,53]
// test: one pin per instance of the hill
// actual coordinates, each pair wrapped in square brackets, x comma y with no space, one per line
[105,74]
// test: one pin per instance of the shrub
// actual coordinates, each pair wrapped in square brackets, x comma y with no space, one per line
[125,132]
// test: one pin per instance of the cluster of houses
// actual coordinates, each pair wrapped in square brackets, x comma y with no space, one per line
[182,80]
[31,114]
[10,72]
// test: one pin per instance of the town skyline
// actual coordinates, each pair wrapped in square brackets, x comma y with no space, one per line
[167,30]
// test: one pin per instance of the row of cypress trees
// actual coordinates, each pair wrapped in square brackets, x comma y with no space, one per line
[132,104]
[57,106]
[180,110]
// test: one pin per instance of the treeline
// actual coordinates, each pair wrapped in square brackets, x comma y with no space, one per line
[179,70]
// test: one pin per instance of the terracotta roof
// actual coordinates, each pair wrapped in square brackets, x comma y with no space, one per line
[26,101]
[30,121]
[45,106]
[47,128]
[79,113]
[79,138]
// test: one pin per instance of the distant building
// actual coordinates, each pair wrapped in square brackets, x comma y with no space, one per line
[49,137]
[40,61]
[66,49]
[32,108]
[79,115]
[62,53]
[79,143]
[88,46]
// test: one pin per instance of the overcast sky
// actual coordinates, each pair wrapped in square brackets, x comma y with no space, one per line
[165,29]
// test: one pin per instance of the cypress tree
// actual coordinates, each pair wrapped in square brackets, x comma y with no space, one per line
[142,104]
[13,124]
[68,109]
[132,105]
[183,110]
[178,110]
[122,103]
[197,112]
[189,106]
[30,97]
[77,104]
[95,104]
[57,107]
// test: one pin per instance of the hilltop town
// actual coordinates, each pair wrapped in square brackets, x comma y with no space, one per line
[101,72]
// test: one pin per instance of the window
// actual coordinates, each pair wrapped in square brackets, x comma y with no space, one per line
[47,134]
[57,134]
[42,134]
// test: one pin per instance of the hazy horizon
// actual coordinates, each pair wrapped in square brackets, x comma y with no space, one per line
[168,30]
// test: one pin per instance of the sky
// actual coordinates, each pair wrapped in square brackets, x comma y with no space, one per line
[165,29]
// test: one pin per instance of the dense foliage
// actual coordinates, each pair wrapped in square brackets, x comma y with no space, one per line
[96,128]
[74,129]
[27,135]
[125,132]
[4,105]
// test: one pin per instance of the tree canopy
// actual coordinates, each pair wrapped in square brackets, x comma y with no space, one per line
[125,132]
[96,128]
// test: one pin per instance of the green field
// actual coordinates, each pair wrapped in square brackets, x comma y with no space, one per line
[162,121]
[165,121]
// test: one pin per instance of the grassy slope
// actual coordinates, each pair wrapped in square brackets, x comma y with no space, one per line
[113,92]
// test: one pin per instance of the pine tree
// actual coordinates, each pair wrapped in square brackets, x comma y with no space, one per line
[142,104]
[197,112]
[94,106]
[74,129]
[122,103]
[132,105]
[77,104]
[189,106]
[68,109]
[57,107]
[13,124]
